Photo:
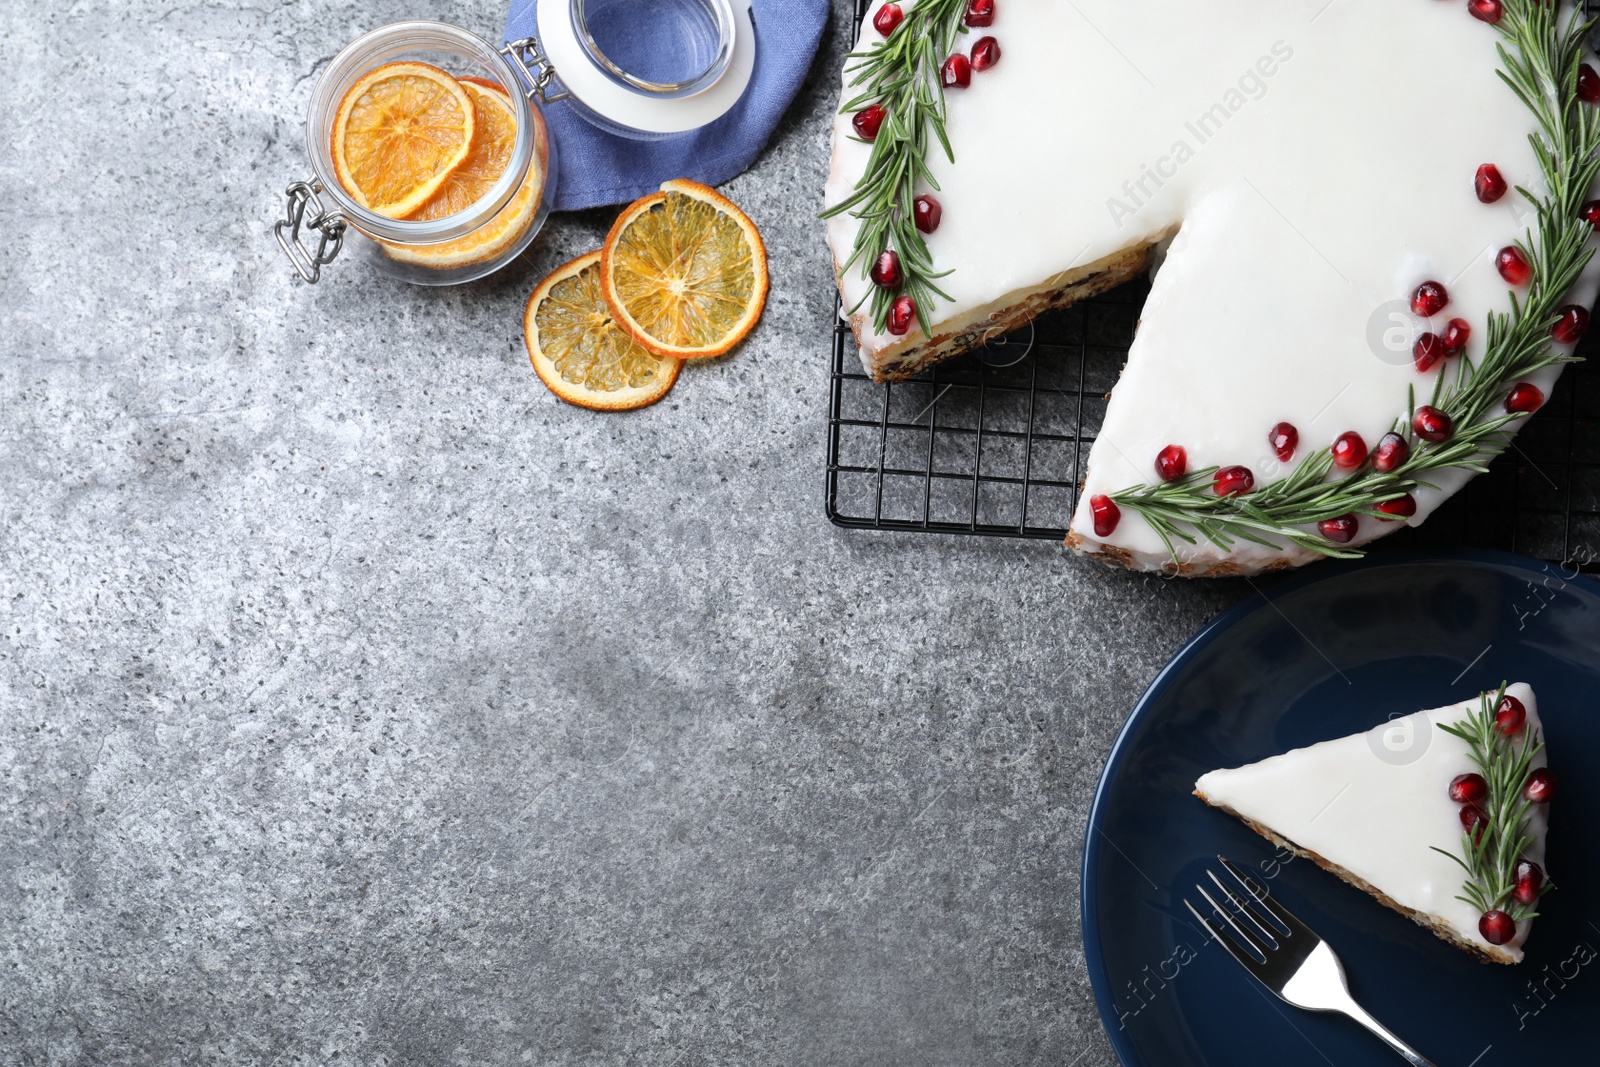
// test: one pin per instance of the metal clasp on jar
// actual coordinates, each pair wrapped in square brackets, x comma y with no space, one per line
[529,56]
[306,210]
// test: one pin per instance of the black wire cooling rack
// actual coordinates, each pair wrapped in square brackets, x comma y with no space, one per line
[994,444]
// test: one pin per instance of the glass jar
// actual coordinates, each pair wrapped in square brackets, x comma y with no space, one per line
[479,239]
[643,69]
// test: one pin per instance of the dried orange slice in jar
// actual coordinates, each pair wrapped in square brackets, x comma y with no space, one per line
[541,136]
[400,133]
[685,272]
[494,134]
[492,142]
[581,353]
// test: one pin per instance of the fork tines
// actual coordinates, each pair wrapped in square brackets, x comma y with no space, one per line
[1261,926]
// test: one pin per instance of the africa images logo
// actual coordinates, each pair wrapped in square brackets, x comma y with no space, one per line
[1403,740]
[1201,129]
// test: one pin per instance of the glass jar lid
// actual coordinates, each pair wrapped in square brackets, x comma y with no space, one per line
[665,48]
[649,68]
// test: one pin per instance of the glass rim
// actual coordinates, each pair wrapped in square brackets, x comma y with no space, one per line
[371,50]
[721,10]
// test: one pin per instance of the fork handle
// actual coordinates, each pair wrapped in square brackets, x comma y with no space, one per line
[1411,1055]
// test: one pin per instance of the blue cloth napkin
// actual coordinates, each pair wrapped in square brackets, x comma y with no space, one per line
[599,168]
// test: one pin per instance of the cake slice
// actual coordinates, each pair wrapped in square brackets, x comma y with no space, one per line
[1386,809]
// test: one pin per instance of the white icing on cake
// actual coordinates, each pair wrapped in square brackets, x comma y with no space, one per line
[1360,804]
[1316,161]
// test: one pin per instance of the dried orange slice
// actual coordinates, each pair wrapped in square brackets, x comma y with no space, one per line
[482,244]
[579,351]
[541,135]
[685,272]
[494,134]
[485,163]
[400,133]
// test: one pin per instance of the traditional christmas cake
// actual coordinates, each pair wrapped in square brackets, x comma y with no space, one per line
[1355,302]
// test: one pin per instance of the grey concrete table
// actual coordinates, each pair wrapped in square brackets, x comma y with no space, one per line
[361,703]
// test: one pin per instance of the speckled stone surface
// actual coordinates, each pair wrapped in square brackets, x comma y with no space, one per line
[361,703]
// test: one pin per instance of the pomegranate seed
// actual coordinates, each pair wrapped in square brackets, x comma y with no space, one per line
[1570,330]
[927,213]
[1530,880]
[1469,789]
[902,313]
[1588,84]
[1489,11]
[1590,213]
[1172,463]
[1456,336]
[1513,265]
[1429,299]
[1340,531]
[1233,481]
[1349,451]
[1497,927]
[1106,515]
[1489,184]
[1403,507]
[980,13]
[1392,451]
[1429,350]
[1524,399]
[1510,716]
[1474,821]
[985,53]
[1284,439]
[869,121]
[1541,787]
[1431,424]
[886,272]
[956,72]
[888,19]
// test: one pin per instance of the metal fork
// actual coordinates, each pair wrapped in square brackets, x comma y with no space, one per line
[1288,958]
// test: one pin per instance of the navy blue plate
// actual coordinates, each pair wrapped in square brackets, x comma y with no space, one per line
[1333,651]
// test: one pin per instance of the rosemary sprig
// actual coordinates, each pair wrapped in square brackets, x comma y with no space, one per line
[901,75]
[1491,861]
[1541,67]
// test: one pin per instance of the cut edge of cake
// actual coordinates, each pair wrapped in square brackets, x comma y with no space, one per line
[907,357]
[1443,930]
